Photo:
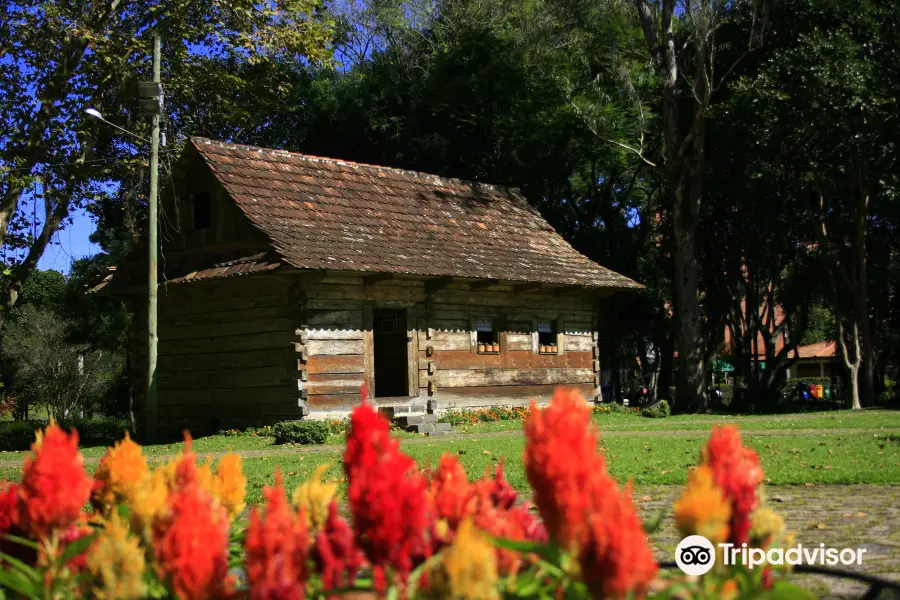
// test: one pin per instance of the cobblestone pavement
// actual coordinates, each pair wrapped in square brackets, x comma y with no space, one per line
[851,516]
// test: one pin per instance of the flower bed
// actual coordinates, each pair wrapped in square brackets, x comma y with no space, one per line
[182,530]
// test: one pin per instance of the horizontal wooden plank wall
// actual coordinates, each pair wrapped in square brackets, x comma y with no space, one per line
[261,349]
[332,341]
[226,354]
[463,397]
[451,373]
[329,349]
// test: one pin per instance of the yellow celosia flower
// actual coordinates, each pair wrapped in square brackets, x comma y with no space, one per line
[468,569]
[765,526]
[314,496]
[702,508]
[116,561]
[148,502]
[120,472]
[205,478]
[167,471]
[230,485]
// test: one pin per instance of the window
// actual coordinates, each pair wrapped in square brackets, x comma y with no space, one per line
[547,338]
[202,210]
[486,338]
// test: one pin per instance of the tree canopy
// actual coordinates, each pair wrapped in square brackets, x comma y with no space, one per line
[738,158]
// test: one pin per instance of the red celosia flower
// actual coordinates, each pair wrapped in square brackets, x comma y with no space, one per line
[336,555]
[75,532]
[386,495]
[502,524]
[503,494]
[9,524]
[566,472]
[531,524]
[616,560]
[277,545]
[9,500]
[191,540]
[55,486]
[737,471]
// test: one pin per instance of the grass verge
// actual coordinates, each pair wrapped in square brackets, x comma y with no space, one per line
[807,459]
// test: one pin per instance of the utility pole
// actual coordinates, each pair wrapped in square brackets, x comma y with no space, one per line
[152,285]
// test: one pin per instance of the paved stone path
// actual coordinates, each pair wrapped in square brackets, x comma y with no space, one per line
[840,516]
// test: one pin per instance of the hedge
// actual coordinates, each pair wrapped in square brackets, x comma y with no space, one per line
[18,435]
[660,410]
[301,432]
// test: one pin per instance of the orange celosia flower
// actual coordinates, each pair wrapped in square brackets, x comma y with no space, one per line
[191,540]
[449,491]
[738,474]
[121,470]
[205,477]
[702,508]
[277,547]
[562,463]
[230,485]
[616,559]
[55,486]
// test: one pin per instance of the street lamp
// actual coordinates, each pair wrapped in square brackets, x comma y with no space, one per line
[93,112]
[150,100]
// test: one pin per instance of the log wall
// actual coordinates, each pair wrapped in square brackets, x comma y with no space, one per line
[335,353]
[226,354]
[253,350]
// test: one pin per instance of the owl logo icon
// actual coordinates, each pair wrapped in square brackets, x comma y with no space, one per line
[695,555]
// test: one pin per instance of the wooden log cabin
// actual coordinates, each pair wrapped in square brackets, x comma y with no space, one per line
[288,281]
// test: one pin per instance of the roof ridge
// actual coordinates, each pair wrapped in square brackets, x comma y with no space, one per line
[516,192]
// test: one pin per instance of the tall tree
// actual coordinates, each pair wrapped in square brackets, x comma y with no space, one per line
[58,58]
[684,41]
[825,98]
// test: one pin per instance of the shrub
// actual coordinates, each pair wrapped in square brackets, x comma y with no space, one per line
[99,432]
[18,435]
[300,432]
[660,410]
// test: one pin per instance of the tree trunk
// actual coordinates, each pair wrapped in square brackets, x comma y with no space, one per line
[684,166]
[854,386]
[862,294]
[691,386]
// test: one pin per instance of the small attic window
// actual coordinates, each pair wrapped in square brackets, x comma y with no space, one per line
[201,208]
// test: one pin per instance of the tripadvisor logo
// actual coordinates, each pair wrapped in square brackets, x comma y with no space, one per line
[696,555]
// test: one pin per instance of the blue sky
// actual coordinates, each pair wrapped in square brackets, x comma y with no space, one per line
[70,243]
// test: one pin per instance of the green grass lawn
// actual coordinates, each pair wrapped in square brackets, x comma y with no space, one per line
[814,459]
[843,419]
[837,455]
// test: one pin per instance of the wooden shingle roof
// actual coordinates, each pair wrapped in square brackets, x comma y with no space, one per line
[322,213]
